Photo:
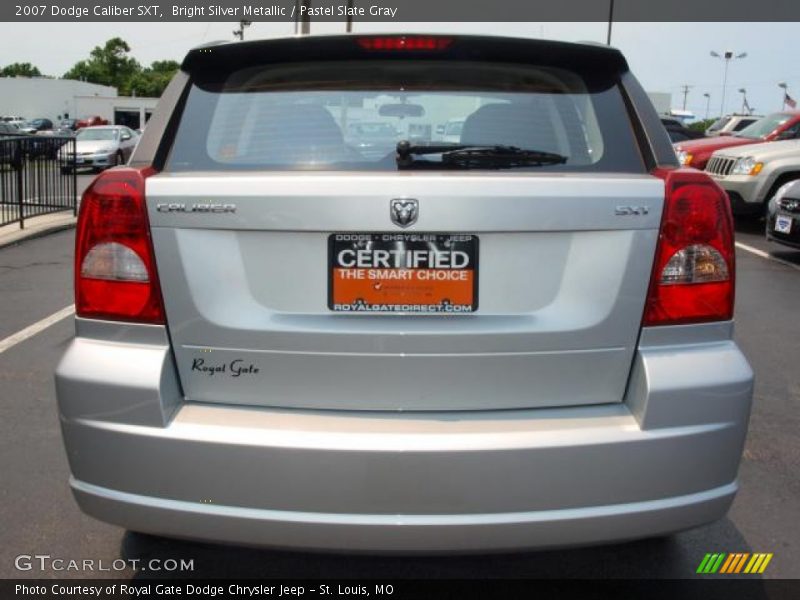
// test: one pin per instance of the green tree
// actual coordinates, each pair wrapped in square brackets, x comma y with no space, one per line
[702,125]
[152,80]
[109,64]
[20,70]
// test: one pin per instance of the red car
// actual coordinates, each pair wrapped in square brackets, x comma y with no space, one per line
[91,122]
[777,126]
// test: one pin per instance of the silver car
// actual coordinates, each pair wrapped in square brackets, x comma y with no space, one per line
[101,147]
[520,340]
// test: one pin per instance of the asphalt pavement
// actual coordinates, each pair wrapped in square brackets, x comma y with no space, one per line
[39,516]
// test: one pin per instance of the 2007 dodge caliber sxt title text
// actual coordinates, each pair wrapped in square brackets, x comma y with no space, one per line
[461,298]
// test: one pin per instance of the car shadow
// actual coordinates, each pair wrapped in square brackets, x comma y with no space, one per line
[749,224]
[676,556]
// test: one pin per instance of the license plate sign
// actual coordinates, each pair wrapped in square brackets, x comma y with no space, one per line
[783,224]
[403,273]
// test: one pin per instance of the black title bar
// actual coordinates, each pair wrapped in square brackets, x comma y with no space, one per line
[401,10]
[734,588]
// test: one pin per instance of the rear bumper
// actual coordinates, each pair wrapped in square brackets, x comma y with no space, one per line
[93,160]
[664,460]
[403,533]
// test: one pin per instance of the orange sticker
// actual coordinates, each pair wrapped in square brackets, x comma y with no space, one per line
[361,282]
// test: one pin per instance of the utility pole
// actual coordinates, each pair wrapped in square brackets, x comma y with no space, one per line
[302,20]
[349,26]
[610,20]
[240,32]
[686,89]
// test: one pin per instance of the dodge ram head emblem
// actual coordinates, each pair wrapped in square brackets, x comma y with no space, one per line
[404,211]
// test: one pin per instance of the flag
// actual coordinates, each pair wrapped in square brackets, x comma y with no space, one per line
[789,101]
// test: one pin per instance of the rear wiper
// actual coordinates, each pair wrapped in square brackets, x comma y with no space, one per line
[465,156]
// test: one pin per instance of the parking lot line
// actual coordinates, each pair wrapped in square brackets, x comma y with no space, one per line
[32,330]
[766,255]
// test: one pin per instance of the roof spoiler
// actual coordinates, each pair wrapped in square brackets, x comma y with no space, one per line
[238,55]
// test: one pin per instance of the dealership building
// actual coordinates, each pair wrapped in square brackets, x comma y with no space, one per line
[55,99]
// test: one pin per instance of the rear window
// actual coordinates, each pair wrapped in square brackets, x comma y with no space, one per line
[351,116]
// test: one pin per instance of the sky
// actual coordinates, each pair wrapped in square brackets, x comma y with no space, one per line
[663,56]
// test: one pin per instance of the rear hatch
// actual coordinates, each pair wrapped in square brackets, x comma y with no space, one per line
[300,270]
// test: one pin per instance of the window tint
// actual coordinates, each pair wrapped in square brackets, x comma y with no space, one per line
[675,135]
[350,116]
[743,123]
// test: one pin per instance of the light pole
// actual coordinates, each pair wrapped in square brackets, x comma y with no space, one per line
[708,103]
[743,92]
[610,20]
[785,87]
[727,56]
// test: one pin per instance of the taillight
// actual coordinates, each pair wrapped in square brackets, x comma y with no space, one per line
[115,270]
[693,273]
[404,42]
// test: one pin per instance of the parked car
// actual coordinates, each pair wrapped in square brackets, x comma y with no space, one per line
[71,124]
[730,124]
[372,139]
[47,143]
[678,132]
[9,129]
[16,121]
[282,343]
[752,174]
[101,147]
[452,131]
[91,122]
[777,126]
[419,132]
[783,215]
[12,152]
[35,125]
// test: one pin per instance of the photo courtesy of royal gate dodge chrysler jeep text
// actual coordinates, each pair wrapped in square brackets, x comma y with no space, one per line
[517,337]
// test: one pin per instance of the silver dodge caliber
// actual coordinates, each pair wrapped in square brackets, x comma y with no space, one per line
[518,338]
